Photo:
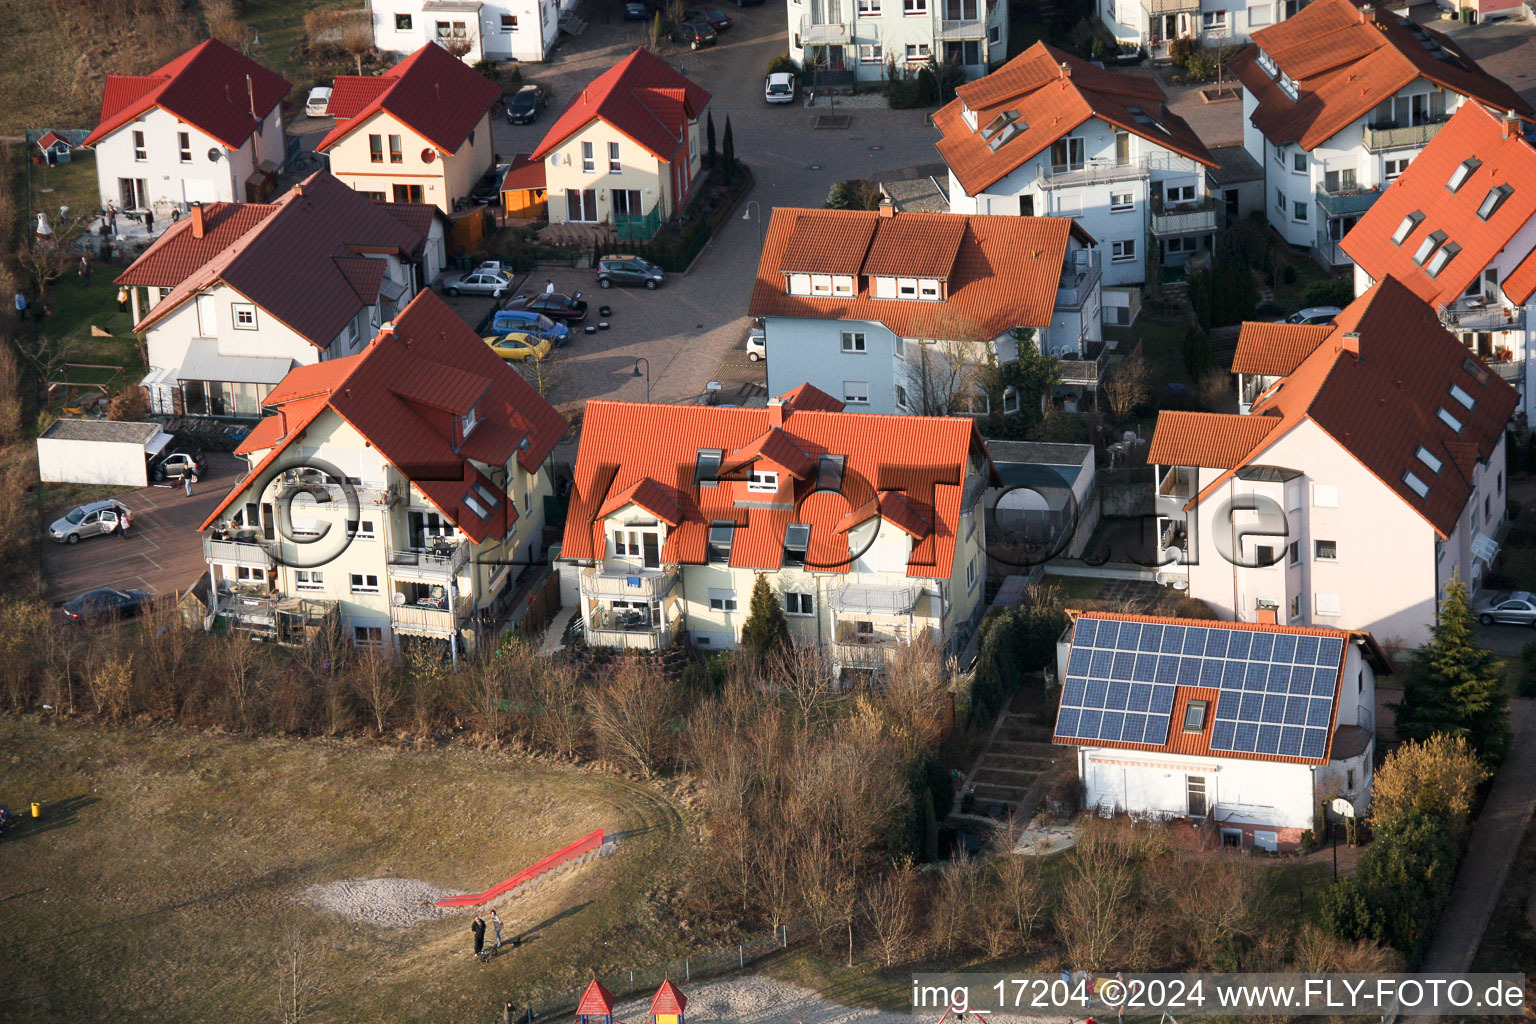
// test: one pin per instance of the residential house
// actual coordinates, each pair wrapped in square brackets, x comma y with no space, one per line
[400,488]
[473,30]
[1046,506]
[1152,25]
[1337,101]
[1049,134]
[418,133]
[1247,730]
[880,307]
[1459,230]
[1368,470]
[234,295]
[207,127]
[869,528]
[840,42]
[626,151]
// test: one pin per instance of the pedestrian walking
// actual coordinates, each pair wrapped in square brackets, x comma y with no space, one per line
[149,220]
[175,214]
[477,928]
[549,287]
[496,924]
[122,298]
[1120,1006]
[85,270]
[112,217]
[124,521]
[187,480]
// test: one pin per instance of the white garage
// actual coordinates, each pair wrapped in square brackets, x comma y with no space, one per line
[99,452]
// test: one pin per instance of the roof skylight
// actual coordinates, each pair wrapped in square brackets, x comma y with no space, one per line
[1461,396]
[1440,259]
[1428,246]
[1475,370]
[1428,458]
[1416,485]
[1462,172]
[1494,200]
[1448,419]
[1405,229]
[998,123]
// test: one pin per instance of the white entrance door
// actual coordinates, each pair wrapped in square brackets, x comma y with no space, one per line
[207,317]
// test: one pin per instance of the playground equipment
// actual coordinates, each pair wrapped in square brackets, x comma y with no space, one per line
[582,850]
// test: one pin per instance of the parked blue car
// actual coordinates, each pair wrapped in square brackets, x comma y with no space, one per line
[532,323]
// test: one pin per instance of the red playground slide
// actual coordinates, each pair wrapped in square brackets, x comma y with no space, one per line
[578,848]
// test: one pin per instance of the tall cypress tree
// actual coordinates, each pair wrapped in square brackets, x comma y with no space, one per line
[709,135]
[766,631]
[729,150]
[1454,686]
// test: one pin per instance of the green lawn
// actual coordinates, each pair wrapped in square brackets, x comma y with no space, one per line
[280,23]
[72,185]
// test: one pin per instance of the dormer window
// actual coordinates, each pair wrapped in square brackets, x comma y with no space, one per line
[1267,63]
[1440,259]
[842,285]
[1405,229]
[1428,246]
[829,472]
[821,284]
[1494,200]
[799,284]
[469,421]
[885,287]
[763,482]
[721,535]
[1462,172]
[906,287]
[707,467]
[969,115]
[1289,87]
[797,539]
[928,289]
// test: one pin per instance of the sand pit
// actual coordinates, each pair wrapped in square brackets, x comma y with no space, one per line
[383,902]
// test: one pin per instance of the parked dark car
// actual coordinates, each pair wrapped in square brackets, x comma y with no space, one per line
[711,16]
[696,34]
[488,188]
[105,603]
[630,272]
[525,106]
[175,464]
[570,309]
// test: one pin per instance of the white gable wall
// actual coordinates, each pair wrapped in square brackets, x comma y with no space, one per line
[169,180]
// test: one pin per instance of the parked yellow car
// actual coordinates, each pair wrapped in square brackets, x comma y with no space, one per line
[516,346]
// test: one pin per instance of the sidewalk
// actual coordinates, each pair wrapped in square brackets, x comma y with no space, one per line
[1491,851]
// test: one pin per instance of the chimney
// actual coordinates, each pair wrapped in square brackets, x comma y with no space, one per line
[298,188]
[1511,123]
[199,224]
[775,413]
[1066,70]
[1264,616]
[1365,13]
[887,208]
[1351,344]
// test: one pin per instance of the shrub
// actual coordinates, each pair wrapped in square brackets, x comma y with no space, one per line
[1332,292]
[487,67]
[782,63]
[1181,49]
[1193,608]
[131,403]
[1288,274]
[515,76]
[1439,777]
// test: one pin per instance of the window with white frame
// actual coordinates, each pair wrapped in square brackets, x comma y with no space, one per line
[821,284]
[1295,606]
[1177,194]
[361,529]
[901,397]
[853,341]
[140,153]
[1280,201]
[509,23]
[869,8]
[906,287]
[899,347]
[856,392]
[402,23]
[842,285]
[308,579]
[1183,246]
[971,575]
[184,147]
[722,600]
[250,574]
[1300,212]
[1122,251]
[1325,605]
[364,583]
[1325,550]
[588,161]
[1393,169]
[1215,21]
[799,604]
[927,289]
[917,52]
[244,315]
[799,284]
[614,163]
[1299,163]
[871,53]
[914,8]
[764,481]
[1120,202]
[1010,400]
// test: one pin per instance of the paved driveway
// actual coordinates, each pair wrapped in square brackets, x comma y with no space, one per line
[163,552]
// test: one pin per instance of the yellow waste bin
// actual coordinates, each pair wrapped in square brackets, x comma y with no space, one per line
[37,809]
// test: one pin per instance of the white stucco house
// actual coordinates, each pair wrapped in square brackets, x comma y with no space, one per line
[1459,229]
[842,41]
[1151,25]
[435,511]
[234,295]
[853,301]
[207,127]
[1049,134]
[869,528]
[1368,470]
[522,30]
[1337,100]
[1248,729]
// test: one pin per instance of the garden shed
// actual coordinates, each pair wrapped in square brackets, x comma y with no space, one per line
[109,452]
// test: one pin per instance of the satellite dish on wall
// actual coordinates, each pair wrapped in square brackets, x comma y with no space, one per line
[214,154]
[428,155]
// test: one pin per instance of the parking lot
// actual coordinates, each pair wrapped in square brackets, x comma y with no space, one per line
[163,552]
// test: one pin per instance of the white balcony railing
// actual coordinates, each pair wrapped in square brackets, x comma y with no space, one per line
[1184,218]
[1490,316]
[244,553]
[631,583]
[825,33]
[435,565]
[1078,280]
[415,618]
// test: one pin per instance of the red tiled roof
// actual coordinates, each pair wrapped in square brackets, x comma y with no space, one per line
[1521,282]
[596,1001]
[363,274]
[1380,407]
[403,394]
[291,261]
[1217,440]
[178,253]
[1345,60]
[1050,103]
[431,92]
[1274,350]
[668,999]
[912,468]
[643,97]
[809,398]
[915,247]
[1508,161]
[1198,744]
[50,138]
[524,173]
[210,87]
[1004,274]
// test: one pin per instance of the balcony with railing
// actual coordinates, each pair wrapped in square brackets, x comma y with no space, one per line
[817,32]
[634,584]
[631,629]
[1177,482]
[1089,370]
[1346,202]
[436,564]
[429,618]
[1090,172]
[1078,279]
[323,490]
[1480,315]
[872,652]
[955,30]
[1511,370]
[1169,6]
[273,617]
[1390,136]
[1328,252]
[243,549]
[1192,217]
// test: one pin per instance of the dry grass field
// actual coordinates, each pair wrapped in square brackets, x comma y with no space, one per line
[163,881]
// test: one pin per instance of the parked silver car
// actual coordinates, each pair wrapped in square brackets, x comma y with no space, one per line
[479,282]
[89,520]
[1517,609]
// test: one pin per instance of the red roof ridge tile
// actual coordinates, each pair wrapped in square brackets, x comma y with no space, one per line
[431,92]
[614,97]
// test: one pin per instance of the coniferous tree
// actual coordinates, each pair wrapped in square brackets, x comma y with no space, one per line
[728,147]
[709,135]
[1454,686]
[766,631]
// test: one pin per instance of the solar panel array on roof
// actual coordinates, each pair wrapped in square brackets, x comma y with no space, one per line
[1276,689]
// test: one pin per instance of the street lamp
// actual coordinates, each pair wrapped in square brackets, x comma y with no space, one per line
[636,373]
[747,215]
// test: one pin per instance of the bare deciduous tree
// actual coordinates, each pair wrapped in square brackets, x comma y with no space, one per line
[1129,385]
[296,981]
[223,20]
[889,909]
[356,38]
[944,377]
[631,715]
[376,681]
